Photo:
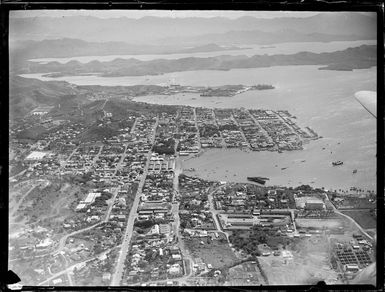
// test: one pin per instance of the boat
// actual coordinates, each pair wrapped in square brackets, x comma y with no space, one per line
[336,163]
[257,179]
[355,171]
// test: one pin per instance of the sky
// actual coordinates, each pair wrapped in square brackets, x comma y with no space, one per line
[160,13]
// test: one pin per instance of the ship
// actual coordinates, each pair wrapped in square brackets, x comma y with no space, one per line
[336,163]
[258,179]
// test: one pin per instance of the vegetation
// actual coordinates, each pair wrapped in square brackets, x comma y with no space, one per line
[249,240]
[166,146]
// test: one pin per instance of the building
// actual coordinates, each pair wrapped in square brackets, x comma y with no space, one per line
[164,228]
[309,203]
[106,277]
[36,155]
[80,206]
[175,270]
[351,268]
[57,281]
[240,220]
[314,204]
[91,198]
[87,201]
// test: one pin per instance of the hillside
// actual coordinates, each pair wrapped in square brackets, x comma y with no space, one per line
[26,94]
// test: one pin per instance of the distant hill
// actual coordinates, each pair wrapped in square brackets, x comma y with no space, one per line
[266,38]
[155,30]
[361,57]
[58,48]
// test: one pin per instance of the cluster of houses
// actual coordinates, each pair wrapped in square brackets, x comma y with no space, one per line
[254,134]
[210,136]
[153,256]
[194,205]
[161,163]
[187,132]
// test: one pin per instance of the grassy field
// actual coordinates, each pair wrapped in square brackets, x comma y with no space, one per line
[215,253]
[362,217]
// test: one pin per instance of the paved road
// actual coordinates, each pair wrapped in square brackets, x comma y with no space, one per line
[175,211]
[63,240]
[220,132]
[18,174]
[215,212]
[133,126]
[117,276]
[196,125]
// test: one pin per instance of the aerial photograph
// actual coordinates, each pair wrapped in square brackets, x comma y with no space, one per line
[192,148]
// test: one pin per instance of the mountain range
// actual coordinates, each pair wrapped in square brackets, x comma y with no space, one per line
[361,57]
[168,31]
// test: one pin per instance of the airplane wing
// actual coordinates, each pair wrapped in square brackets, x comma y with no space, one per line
[368,99]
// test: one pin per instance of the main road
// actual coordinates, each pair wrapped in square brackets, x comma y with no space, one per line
[117,277]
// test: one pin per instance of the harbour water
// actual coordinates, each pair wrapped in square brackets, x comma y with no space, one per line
[321,99]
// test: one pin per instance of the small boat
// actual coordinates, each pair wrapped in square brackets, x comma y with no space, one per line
[303,160]
[337,163]
[355,171]
[283,168]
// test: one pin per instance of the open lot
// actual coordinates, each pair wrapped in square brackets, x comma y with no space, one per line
[245,274]
[308,265]
[319,223]
[216,253]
